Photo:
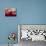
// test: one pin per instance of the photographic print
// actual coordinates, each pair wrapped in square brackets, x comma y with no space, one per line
[10,11]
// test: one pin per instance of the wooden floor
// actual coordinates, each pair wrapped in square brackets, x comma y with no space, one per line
[30,43]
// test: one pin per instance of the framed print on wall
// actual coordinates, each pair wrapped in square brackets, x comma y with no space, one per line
[10,11]
[32,32]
